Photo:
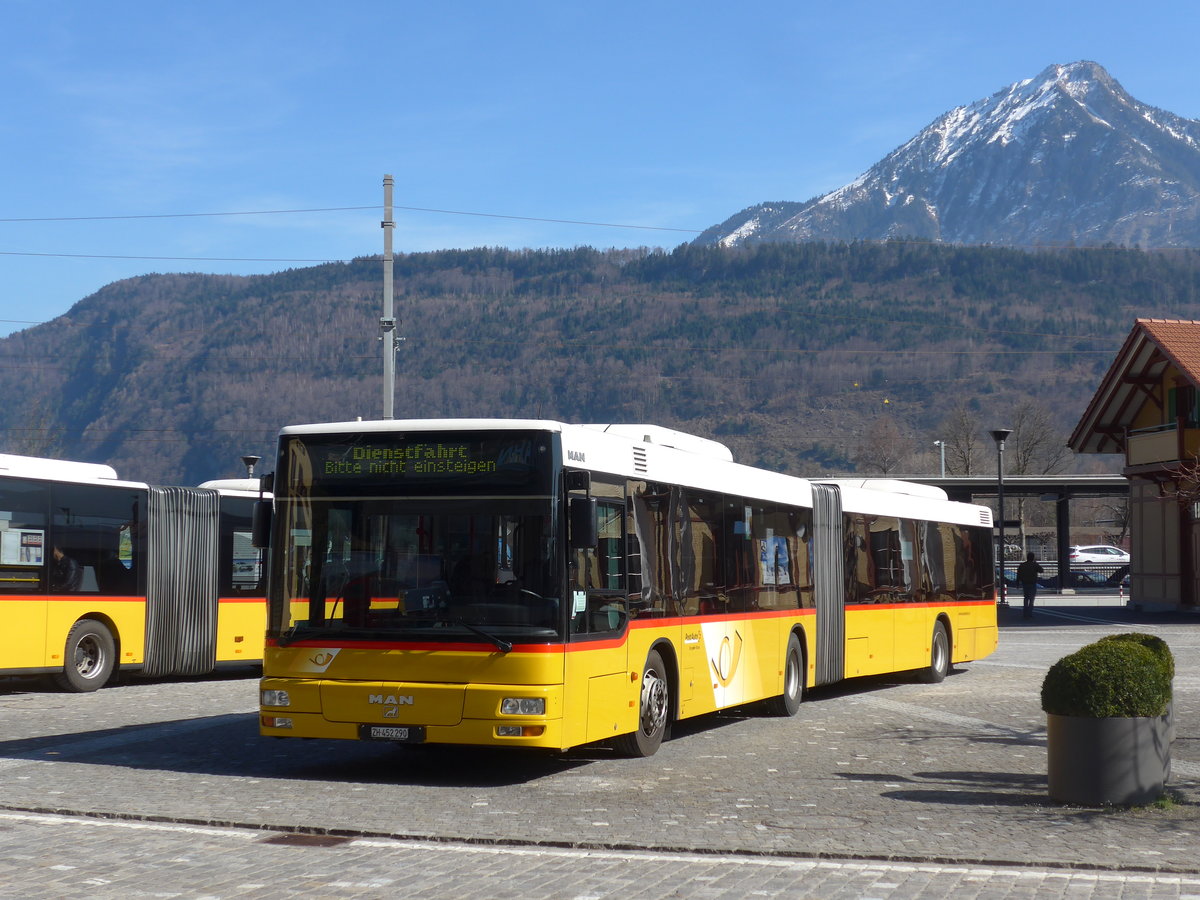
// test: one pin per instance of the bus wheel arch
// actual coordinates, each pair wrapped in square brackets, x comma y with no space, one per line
[794,675]
[656,705]
[939,653]
[666,651]
[89,655]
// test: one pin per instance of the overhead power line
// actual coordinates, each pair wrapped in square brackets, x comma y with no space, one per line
[277,212]
[280,212]
[252,212]
[174,258]
[455,212]
[426,209]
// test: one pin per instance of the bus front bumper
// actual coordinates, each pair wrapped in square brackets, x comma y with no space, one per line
[474,714]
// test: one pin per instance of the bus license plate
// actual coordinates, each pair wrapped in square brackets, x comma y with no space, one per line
[407,734]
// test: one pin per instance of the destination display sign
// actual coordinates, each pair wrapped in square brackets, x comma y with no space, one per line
[416,459]
[420,459]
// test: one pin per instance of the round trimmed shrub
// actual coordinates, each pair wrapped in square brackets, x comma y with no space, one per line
[1151,642]
[1107,679]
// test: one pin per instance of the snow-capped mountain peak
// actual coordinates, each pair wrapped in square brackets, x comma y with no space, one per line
[1066,156]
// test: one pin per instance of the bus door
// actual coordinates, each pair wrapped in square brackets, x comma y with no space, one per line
[596,676]
[912,617]
[876,589]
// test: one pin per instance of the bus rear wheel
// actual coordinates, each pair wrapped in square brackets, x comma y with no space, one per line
[788,703]
[939,656]
[88,657]
[654,708]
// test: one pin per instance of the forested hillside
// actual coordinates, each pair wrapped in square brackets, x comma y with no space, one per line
[792,354]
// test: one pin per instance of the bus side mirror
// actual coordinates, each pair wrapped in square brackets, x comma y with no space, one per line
[260,524]
[581,518]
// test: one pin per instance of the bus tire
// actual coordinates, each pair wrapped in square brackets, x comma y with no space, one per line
[88,658]
[654,710]
[939,656]
[788,703]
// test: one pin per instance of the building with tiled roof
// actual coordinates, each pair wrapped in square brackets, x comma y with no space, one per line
[1148,408]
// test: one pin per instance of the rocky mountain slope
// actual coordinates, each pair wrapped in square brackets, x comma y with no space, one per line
[790,353]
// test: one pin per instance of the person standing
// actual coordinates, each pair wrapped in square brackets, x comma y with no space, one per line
[1027,575]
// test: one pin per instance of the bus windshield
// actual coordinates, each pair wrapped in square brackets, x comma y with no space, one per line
[454,555]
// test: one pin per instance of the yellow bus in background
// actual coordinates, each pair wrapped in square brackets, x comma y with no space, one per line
[99,575]
[531,583]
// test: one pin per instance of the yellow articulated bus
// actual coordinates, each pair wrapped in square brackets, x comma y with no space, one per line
[537,584]
[99,575]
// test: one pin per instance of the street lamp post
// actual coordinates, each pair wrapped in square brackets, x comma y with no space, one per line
[1000,435]
[941,445]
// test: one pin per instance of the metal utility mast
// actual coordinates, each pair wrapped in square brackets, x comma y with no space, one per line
[387,324]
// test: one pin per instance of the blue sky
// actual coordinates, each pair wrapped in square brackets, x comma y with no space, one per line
[664,115]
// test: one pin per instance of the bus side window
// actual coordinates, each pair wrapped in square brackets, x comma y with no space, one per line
[783,564]
[91,526]
[24,548]
[240,562]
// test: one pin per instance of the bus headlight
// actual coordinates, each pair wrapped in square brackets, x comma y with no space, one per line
[523,706]
[276,698]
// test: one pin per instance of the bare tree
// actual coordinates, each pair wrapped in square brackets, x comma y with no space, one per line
[961,432]
[1117,515]
[1184,488]
[884,446]
[1035,447]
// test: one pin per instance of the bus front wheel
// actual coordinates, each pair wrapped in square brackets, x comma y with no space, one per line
[654,708]
[939,656]
[88,657]
[788,703]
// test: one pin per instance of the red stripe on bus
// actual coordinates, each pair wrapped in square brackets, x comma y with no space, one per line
[609,643]
[106,598]
[955,604]
[94,599]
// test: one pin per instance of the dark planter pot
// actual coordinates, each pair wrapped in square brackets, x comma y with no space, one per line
[1102,762]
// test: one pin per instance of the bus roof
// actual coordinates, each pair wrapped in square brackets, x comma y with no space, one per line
[385,425]
[655,453]
[55,469]
[234,486]
[891,485]
[647,434]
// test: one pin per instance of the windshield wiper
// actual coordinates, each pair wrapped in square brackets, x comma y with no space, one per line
[502,645]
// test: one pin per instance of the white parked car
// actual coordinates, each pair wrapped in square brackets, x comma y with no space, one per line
[1100,553]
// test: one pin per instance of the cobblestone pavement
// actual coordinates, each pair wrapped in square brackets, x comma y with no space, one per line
[54,856]
[877,788]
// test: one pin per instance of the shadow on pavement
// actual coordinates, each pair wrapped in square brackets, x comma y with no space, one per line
[1047,614]
[229,745]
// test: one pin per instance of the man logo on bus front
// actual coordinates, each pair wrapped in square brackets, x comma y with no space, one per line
[393,702]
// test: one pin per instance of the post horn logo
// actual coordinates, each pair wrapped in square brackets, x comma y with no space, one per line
[729,654]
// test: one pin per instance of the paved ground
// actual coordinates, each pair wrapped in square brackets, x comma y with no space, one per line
[877,788]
